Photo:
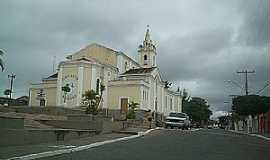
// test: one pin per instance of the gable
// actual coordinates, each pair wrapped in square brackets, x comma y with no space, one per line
[95,51]
[156,74]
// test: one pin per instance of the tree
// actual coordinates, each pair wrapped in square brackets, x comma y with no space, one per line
[65,89]
[186,96]
[168,84]
[131,110]
[224,120]
[198,109]
[7,92]
[251,105]
[92,100]
[1,60]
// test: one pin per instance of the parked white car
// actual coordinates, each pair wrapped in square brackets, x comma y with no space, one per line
[177,119]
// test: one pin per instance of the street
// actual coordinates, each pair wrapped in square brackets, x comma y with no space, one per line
[176,144]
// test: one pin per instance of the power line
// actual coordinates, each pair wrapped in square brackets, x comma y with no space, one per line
[265,86]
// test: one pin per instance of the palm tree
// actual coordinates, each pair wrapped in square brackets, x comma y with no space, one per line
[131,110]
[65,89]
[92,100]
[1,61]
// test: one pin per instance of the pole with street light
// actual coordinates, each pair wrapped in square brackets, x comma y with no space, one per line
[12,77]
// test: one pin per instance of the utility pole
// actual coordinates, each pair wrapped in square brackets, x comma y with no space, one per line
[12,77]
[246,72]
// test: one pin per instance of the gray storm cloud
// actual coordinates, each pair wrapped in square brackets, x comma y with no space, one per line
[200,43]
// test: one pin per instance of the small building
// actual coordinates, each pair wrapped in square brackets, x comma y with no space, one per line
[125,80]
[21,101]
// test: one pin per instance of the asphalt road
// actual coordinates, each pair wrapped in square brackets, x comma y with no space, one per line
[179,145]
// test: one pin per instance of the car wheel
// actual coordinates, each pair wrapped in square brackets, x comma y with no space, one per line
[171,127]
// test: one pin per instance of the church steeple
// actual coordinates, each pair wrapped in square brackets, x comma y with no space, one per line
[147,51]
[147,35]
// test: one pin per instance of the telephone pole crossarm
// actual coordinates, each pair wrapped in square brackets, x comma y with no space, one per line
[246,72]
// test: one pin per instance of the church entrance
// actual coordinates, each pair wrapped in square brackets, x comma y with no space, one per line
[124,105]
[42,102]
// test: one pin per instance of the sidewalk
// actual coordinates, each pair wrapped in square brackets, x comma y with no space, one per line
[15,151]
[265,136]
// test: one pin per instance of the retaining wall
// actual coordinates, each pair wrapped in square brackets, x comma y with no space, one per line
[11,123]
[12,137]
[50,110]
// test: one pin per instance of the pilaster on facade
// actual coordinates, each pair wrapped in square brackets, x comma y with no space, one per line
[80,85]
[94,78]
[59,87]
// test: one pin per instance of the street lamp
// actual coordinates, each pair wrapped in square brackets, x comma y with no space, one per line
[12,77]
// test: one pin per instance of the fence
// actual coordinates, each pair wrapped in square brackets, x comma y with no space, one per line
[254,124]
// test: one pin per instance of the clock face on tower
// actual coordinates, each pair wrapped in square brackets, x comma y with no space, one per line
[70,81]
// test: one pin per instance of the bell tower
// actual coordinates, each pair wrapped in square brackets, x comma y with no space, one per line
[147,52]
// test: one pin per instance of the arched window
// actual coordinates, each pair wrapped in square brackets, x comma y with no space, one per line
[126,66]
[145,59]
[97,86]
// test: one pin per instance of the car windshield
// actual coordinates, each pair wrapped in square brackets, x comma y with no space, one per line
[180,115]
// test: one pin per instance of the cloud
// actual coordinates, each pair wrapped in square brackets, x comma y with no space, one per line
[204,43]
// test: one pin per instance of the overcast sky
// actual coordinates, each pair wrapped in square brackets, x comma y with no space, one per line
[200,44]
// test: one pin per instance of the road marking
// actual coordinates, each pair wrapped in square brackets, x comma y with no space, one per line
[62,146]
[191,130]
[80,148]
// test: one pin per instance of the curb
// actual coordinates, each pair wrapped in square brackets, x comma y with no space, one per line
[126,132]
[80,148]
[253,135]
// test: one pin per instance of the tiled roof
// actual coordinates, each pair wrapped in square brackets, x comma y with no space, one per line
[52,76]
[140,70]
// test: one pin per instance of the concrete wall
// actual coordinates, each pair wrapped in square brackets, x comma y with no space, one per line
[49,90]
[87,78]
[67,124]
[12,137]
[11,123]
[133,93]
[41,110]
[100,125]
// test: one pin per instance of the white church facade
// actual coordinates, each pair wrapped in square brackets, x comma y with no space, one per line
[125,80]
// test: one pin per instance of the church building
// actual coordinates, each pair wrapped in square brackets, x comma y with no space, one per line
[125,80]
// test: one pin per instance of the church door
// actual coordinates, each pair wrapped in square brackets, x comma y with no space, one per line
[124,105]
[42,102]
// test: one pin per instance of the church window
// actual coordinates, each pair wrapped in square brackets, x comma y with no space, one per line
[42,102]
[166,101]
[145,59]
[170,103]
[109,76]
[154,60]
[126,66]
[97,86]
